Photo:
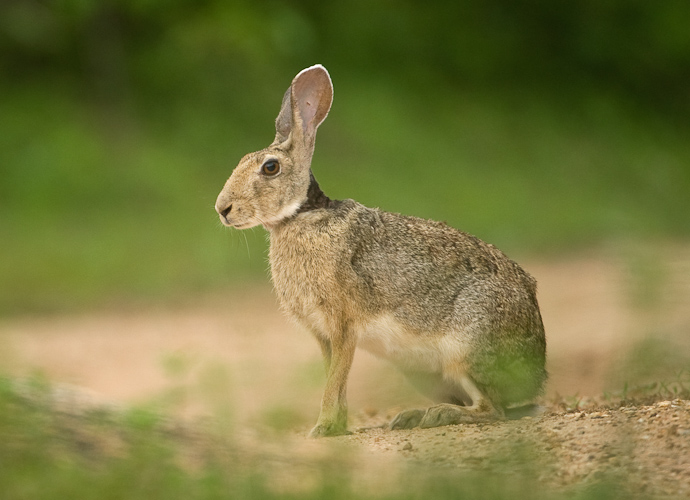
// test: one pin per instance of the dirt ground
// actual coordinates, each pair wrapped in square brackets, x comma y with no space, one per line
[236,355]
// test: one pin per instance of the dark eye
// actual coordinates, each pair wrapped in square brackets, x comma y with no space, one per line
[271,167]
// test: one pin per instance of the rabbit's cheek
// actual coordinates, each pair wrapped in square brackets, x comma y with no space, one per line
[279,214]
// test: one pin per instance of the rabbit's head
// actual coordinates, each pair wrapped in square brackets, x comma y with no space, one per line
[270,185]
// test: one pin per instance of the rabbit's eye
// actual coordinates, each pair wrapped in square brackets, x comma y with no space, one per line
[271,167]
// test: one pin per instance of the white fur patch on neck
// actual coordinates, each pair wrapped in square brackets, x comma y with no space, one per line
[286,212]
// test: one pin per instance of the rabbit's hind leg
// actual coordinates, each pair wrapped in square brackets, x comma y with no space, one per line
[407,419]
[453,411]
[427,383]
[434,386]
[481,409]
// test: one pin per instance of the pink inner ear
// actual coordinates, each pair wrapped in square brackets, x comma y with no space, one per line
[308,112]
[312,94]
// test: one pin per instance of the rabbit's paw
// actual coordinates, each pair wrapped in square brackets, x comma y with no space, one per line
[326,430]
[408,419]
[448,414]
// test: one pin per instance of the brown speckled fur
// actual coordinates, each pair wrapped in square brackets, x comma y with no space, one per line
[454,313]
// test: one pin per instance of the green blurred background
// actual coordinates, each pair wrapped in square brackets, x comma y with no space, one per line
[543,127]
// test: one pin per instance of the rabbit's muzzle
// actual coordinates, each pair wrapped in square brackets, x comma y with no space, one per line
[234,213]
[230,213]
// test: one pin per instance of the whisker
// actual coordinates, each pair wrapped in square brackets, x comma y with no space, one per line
[246,243]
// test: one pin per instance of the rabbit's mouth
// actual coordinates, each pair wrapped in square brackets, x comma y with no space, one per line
[224,219]
[238,224]
[245,225]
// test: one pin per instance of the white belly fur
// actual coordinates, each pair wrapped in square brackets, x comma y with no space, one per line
[387,338]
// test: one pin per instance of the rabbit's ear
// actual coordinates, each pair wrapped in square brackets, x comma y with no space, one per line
[305,105]
[284,120]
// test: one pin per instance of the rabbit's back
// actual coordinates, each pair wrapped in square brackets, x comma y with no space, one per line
[415,291]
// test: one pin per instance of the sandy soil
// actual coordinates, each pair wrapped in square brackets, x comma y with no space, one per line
[238,355]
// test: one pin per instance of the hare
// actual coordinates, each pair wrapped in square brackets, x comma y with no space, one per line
[452,312]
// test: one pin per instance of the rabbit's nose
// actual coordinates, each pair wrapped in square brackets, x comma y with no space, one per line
[224,205]
[225,211]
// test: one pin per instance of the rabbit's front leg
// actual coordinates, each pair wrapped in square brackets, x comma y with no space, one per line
[338,356]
